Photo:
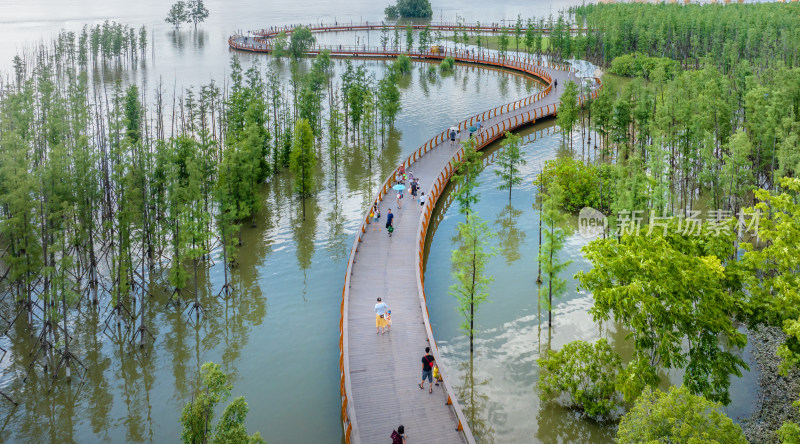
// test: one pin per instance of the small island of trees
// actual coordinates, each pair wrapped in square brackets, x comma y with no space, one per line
[409,9]
[193,11]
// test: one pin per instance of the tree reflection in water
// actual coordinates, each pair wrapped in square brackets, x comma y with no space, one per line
[509,236]
[474,402]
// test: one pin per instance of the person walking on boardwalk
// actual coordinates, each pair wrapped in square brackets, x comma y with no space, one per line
[376,212]
[452,137]
[389,221]
[380,317]
[399,436]
[428,361]
[422,201]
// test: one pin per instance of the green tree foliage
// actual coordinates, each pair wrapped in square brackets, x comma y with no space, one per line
[678,417]
[300,41]
[424,39]
[198,415]
[192,11]
[303,160]
[502,42]
[247,142]
[335,131]
[469,270]
[670,285]
[530,36]
[555,236]
[280,45]
[582,183]
[447,64]
[402,65]
[178,13]
[583,376]
[369,130]
[355,87]
[789,433]
[197,12]
[568,111]
[638,65]
[388,99]
[391,12]
[312,91]
[517,32]
[465,177]
[510,156]
[102,196]
[409,38]
[409,9]
[773,282]
[759,34]
[733,137]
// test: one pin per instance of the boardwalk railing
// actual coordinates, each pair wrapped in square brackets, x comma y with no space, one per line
[527,66]
[483,139]
[483,57]
[377,26]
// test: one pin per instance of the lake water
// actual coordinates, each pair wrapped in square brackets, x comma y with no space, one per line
[278,336]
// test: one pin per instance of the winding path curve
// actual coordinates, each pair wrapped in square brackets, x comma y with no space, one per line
[379,373]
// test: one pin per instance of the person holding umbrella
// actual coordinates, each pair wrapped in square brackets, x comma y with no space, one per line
[399,188]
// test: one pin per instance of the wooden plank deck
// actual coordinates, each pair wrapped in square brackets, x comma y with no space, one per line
[384,369]
[380,372]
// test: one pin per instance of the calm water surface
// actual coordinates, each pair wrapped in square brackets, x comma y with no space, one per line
[278,335]
[512,331]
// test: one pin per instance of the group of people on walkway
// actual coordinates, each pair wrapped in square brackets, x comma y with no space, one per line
[401,178]
[383,314]
[430,370]
[383,325]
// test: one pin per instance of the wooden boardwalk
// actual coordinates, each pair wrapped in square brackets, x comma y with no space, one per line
[485,28]
[380,373]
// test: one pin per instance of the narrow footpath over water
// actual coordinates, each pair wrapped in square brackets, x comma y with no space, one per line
[380,373]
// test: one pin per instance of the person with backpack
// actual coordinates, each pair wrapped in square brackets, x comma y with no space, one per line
[428,361]
[398,436]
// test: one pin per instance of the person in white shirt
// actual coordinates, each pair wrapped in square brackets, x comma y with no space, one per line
[380,313]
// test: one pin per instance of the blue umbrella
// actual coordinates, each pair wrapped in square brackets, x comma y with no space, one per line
[399,187]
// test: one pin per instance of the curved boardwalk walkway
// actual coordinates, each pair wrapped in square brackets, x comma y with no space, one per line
[380,373]
[488,28]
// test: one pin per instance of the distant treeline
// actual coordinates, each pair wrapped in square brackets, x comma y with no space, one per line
[763,34]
